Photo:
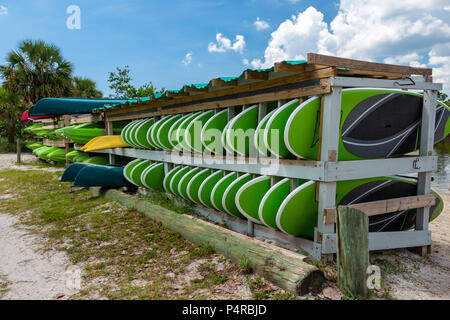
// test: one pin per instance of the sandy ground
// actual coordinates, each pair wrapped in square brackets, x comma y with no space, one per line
[33,274]
[429,277]
[30,273]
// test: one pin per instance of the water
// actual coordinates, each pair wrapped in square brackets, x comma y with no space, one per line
[441,181]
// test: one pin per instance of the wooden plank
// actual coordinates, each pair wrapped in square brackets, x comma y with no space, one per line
[357,72]
[215,83]
[194,90]
[316,74]
[375,208]
[273,96]
[314,58]
[55,143]
[86,119]
[176,94]
[352,251]
[256,75]
[287,67]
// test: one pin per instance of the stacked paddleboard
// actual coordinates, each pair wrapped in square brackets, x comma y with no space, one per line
[375,123]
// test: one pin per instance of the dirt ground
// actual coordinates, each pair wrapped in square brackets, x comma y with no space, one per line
[27,271]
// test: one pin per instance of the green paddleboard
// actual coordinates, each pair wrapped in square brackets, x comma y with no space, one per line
[163,132]
[249,196]
[272,200]
[153,177]
[129,167]
[275,127]
[184,182]
[205,190]
[131,134]
[168,178]
[123,133]
[154,131]
[175,181]
[224,139]
[259,135]
[136,173]
[140,135]
[375,123]
[192,136]
[181,131]
[195,183]
[241,131]
[229,196]
[212,132]
[219,190]
[297,214]
[173,132]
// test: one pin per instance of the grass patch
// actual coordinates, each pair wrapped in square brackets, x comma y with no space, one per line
[123,254]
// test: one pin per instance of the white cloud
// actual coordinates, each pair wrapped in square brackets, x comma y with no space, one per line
[261,24]
[403,32]
[187,59]
[224,44]
[245,62]
[3,10]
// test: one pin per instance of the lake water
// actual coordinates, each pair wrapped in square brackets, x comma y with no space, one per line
[441,177]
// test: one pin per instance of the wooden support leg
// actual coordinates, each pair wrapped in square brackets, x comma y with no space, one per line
[353,251]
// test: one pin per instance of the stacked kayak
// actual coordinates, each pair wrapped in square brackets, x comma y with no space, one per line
[89,175]
[375,123]
[276,206]
[104,142]
[83,133]
[34,145]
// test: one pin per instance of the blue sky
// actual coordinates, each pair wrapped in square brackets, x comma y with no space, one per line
[154,37]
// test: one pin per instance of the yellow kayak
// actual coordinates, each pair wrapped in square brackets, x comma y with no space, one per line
[104,142]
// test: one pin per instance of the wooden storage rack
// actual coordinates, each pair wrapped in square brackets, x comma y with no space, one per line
[322,75]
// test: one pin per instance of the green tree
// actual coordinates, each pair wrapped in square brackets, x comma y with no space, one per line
[85,88]
[120,83]
[10,111]
[37,70]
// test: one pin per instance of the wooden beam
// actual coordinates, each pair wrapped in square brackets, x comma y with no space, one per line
[256,75]
[176,94]
[287,67]
[195,90]
[272,96]
[352,251]
[215,83]
[314,58]
[313,90]
[280,266]
[374,208]
[389,75]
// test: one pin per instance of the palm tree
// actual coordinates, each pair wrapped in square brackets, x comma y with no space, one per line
[37,70]
[10,112]
[85,88]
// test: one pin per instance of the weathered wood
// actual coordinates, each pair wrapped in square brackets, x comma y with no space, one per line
[86,119]
[272,96]
[352,251]
[194,90]
[273,83]
[222,83]
[314,58]
[256,75]
[55,143]
[375,208]
[282,267]
[19,150]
